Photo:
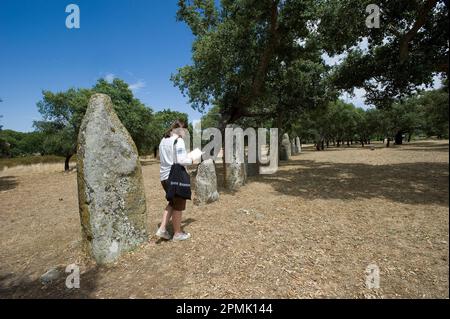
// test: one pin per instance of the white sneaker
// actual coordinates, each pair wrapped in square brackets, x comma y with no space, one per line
[163,234]
[181,236]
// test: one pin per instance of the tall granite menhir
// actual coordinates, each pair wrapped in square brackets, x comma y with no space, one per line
[110,187]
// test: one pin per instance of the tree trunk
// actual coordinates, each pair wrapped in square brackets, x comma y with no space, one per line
[388,143]
[398,138]
[66,162]
[317,146]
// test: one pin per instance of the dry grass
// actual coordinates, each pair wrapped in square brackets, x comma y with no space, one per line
[7,163]
[308,231]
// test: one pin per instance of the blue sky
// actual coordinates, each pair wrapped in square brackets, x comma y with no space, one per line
[139,41]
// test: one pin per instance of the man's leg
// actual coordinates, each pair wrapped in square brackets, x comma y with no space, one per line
[179,205]
[176,221]
[166,218]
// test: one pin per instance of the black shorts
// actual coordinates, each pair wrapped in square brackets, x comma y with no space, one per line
[177,203]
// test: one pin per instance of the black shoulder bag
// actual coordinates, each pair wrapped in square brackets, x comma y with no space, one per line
[179,182]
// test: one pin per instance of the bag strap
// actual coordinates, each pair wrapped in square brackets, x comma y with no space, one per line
[175,158]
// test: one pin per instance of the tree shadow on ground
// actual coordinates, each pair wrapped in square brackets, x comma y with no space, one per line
[353,147]
[429,144]
[8,182]
[423,146]
[148,163]
[23,287]
[409,183]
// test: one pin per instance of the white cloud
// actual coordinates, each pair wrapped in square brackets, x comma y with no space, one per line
[135,87]
[109,77]
[357,98]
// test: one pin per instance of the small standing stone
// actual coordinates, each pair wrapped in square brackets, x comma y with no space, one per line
[298,145]
[50,275]
[236,175]
[205,187]
[235,170]
[285,149]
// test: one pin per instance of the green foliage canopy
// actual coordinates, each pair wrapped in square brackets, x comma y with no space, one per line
[409,48]
[63,112]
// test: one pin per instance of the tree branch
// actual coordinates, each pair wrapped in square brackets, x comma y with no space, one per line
[259,114]
[268,51]
[422,18]
[243,100]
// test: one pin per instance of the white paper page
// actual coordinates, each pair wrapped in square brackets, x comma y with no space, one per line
[196,154]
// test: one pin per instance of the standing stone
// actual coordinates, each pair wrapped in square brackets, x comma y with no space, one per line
[50,275]
[293,149]
[285,149]
[235,175]
[298,145]
[205,187]
[235,172]
[288,143]
[110,187]
[283,153]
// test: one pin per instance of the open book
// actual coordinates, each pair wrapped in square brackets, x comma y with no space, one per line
[196,155]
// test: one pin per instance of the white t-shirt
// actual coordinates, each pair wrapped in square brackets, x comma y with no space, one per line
[166,155]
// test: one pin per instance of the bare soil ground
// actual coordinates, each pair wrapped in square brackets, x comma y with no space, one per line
[308,231]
